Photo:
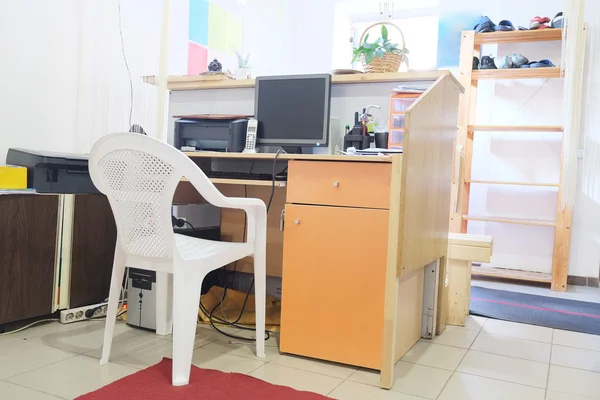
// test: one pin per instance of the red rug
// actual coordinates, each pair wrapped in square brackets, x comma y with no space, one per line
[154,383]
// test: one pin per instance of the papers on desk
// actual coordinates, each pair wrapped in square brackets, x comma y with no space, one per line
[375,151]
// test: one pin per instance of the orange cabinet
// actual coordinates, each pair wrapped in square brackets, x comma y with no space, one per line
[334,262]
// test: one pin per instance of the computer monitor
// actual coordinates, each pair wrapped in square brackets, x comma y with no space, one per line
[293,110]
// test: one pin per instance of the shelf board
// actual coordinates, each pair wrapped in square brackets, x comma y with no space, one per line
[513,183]
[516,73]
[540,35]
[495,272]
[248,182]
[514,128]
[506,220]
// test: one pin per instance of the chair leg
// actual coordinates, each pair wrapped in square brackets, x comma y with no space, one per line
[164,303]
[260,289]
[116,281]
[186,300]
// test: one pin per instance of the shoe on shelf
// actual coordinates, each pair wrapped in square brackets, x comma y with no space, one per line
[505,62]
[539,23]
[475,63]
[504,25]
[487,62]
[518,60]
[558,21]
[484,25]
[541,64]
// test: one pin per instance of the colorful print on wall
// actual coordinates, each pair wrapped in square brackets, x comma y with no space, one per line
[214,32]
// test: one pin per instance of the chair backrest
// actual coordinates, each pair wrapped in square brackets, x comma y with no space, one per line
[139,176]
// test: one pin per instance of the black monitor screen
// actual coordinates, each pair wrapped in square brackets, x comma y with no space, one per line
[293,110]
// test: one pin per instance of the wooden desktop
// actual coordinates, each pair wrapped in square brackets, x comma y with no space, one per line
[359,232]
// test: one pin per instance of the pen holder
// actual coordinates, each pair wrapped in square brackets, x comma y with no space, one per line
[381,140]
[359,142]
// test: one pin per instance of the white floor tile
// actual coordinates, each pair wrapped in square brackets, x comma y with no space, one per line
[471,387]
[205,334]
[414,379]
[211,359]
[456,336]
[474,322]
[357,391]
[581,293]
[21,356]
[576,339]
[73,377]
[550,395]
[520,331]
[504,368]
[9,339]
[576,358]
[139,351]
[240,348]
[574,381]
[316,366]
[78,337]
[296,379]
[12,391]
[512,347]
[435,355]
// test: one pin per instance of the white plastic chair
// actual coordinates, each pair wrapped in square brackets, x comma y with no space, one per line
[139,176]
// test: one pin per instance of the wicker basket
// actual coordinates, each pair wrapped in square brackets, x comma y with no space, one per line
[390,62]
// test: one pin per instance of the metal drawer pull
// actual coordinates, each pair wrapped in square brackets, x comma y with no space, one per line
[336,184]
[297,222]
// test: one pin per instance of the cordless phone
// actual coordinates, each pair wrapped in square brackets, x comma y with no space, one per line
[251,132]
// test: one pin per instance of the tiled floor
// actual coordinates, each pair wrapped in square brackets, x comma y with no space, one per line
[487,360]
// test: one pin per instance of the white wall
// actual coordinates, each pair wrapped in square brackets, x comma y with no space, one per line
[39,67]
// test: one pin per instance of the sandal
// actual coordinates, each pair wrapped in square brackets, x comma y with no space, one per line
[485,25]
[558,21]
[541,64]
[504,25]
[475,63]
[538,23]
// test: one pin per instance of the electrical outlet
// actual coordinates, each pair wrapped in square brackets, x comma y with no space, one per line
[80,314]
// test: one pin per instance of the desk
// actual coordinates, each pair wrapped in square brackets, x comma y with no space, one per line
[359,234]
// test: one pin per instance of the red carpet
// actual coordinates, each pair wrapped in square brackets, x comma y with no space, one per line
[154,383]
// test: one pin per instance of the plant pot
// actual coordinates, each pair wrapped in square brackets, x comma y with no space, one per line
[243,73]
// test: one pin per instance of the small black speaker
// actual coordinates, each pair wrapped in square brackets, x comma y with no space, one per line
[237,135]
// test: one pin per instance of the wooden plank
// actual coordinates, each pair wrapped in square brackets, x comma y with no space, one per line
[391,273]
[515,128]
[271,156]
[197,82]
[517,73]
[562,242]
[539,184]
[459,292]
[428,145]
[510,274]
[540,35]
[469,253]
[469,239]
[507,220]
[409,310]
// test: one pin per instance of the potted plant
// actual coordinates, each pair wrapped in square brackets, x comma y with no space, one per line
[381,55]
[243,69]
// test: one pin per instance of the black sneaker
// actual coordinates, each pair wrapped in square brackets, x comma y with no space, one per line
[487,62]
[475,63]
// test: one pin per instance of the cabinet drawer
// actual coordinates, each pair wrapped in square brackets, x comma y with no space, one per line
[350,184]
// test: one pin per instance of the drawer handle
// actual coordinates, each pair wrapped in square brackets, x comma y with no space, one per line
[336,184]
[297,222]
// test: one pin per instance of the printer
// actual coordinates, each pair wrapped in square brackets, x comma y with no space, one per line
[49,172]
[211,133]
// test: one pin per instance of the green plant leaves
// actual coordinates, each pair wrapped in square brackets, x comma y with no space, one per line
[366,38]
[379,48]
[384,32]
[369,57]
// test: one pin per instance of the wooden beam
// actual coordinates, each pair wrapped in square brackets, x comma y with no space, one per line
[510,274]
[540,35]
[517,73]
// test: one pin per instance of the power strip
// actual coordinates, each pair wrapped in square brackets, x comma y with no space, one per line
[82,313]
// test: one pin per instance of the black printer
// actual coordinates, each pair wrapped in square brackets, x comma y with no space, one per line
[211,133]
[49,172]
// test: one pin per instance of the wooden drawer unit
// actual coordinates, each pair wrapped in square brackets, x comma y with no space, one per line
[349,184]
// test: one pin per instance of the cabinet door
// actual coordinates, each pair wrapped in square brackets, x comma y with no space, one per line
[27,255]
[334,262]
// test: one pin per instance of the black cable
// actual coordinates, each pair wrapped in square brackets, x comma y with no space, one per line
[273,179]
[188,223]
[126,66]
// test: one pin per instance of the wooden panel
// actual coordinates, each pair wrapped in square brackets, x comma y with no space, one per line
[333,296]
[459,293]
[409,310]
[232,225]
[470,240]
[517,73]
[562,242]
[511,274]
[287,157]
[27,255]
[430,130]
[339,184]
[540,35]
[93,249]
[469,253]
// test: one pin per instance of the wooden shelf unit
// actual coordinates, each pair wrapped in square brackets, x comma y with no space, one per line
[467,129]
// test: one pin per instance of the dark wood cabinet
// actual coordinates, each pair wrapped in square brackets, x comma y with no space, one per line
[28,236]
[93,249]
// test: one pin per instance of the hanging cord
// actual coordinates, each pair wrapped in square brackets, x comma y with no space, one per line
[128,70]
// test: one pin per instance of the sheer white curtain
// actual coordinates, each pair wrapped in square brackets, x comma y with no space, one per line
[119,44]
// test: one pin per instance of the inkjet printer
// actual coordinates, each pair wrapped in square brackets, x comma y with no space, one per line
[211,132]
[49,172]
